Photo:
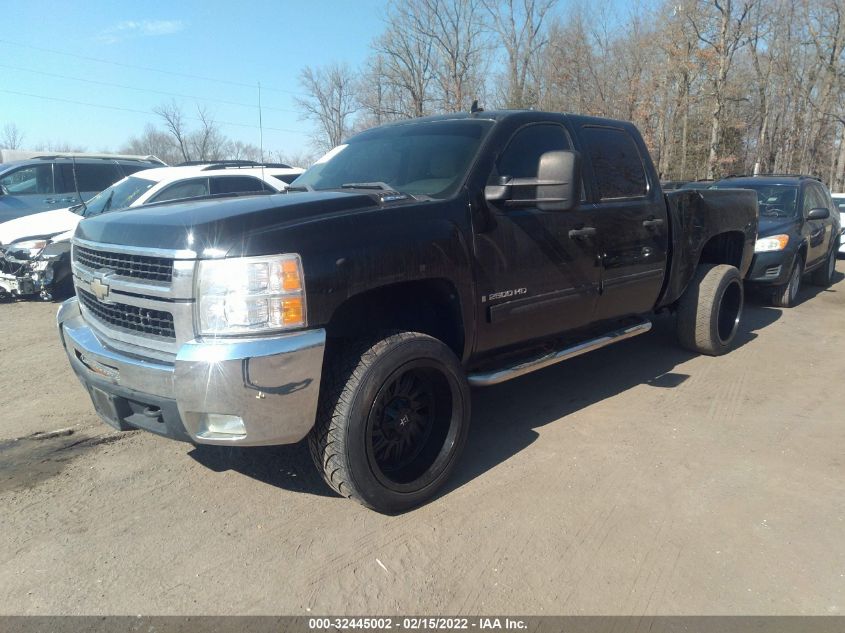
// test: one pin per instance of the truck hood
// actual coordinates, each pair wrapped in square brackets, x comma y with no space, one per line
[45,224]
[216,228]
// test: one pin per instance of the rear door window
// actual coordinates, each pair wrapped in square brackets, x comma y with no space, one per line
[237,184]
[193,188]
[129,169]
[89,177]
[96,177]
[618,168]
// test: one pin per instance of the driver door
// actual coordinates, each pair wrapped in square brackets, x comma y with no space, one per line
[537,271]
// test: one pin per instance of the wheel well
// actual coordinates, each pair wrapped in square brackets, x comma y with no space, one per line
[725,248]
[429,306]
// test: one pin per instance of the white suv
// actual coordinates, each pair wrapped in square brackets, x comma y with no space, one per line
[151,186]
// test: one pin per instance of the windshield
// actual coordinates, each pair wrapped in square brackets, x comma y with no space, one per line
[427,159]
[775,201]
[118,196]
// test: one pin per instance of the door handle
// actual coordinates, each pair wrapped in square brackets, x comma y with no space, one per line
[587,231]
[49,200]
[652,222]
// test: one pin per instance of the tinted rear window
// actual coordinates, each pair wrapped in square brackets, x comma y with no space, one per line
[237,184]
[129,169]
[617,166]
[90,177]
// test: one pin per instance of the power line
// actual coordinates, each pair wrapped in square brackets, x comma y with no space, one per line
[146,112]
[146,68]
[149,90]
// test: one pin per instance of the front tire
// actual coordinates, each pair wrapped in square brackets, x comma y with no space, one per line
[786,296]
[392,420]
[710,309]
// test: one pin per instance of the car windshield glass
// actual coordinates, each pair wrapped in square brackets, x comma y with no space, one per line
[118,196]
[421,159]
[775,201]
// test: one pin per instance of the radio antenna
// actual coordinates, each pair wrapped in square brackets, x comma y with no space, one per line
[260,131]
[76,185]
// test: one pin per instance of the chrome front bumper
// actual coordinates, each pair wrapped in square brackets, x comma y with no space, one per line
[270,384]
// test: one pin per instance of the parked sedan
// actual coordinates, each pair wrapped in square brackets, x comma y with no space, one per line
[799,233]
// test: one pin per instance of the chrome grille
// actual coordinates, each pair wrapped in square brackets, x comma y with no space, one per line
[129,317]
[132,266]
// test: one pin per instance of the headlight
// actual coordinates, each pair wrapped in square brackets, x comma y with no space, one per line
[26,250]
[773,243]
[245,295]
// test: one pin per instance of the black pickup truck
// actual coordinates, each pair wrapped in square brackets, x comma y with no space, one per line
[417,260]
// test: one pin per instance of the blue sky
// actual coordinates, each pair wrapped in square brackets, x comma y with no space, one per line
[47,47]
[212,51]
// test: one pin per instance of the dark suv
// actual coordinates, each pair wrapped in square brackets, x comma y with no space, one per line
[799,233]
[57,182]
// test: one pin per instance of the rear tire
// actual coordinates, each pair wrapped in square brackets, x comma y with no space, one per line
[823,276]
[710,309]
[392,420]
[786,296]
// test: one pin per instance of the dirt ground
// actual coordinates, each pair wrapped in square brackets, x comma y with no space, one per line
[636,480]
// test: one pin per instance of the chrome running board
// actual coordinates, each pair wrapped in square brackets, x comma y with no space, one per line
[485,379]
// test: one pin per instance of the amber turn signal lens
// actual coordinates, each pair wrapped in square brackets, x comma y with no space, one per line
[293,312]
[291,281]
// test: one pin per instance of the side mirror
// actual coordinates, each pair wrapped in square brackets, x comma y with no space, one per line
[557,186]
[818,214]
[3,191]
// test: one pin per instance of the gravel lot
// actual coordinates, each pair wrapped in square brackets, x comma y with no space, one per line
[635,480]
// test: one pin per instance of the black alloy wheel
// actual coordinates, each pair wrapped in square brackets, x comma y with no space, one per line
[409,426]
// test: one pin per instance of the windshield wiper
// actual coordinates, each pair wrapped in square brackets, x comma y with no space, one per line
[299,188]
[107,204]
[367,185]
[391,194]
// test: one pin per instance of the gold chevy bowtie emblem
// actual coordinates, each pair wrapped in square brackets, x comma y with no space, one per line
[100,290]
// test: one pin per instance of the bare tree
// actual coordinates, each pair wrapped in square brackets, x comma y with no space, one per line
[174,122]
[520,25]
[207,143]
[300,159]
[155,142]
[763,62]
[59,146]
[238,150]
[380,99]
[330,103]
[723,29]
[458,32]
[826,26]
[407,58]
[12,137]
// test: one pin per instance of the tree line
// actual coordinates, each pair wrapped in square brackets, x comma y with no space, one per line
[717,87]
